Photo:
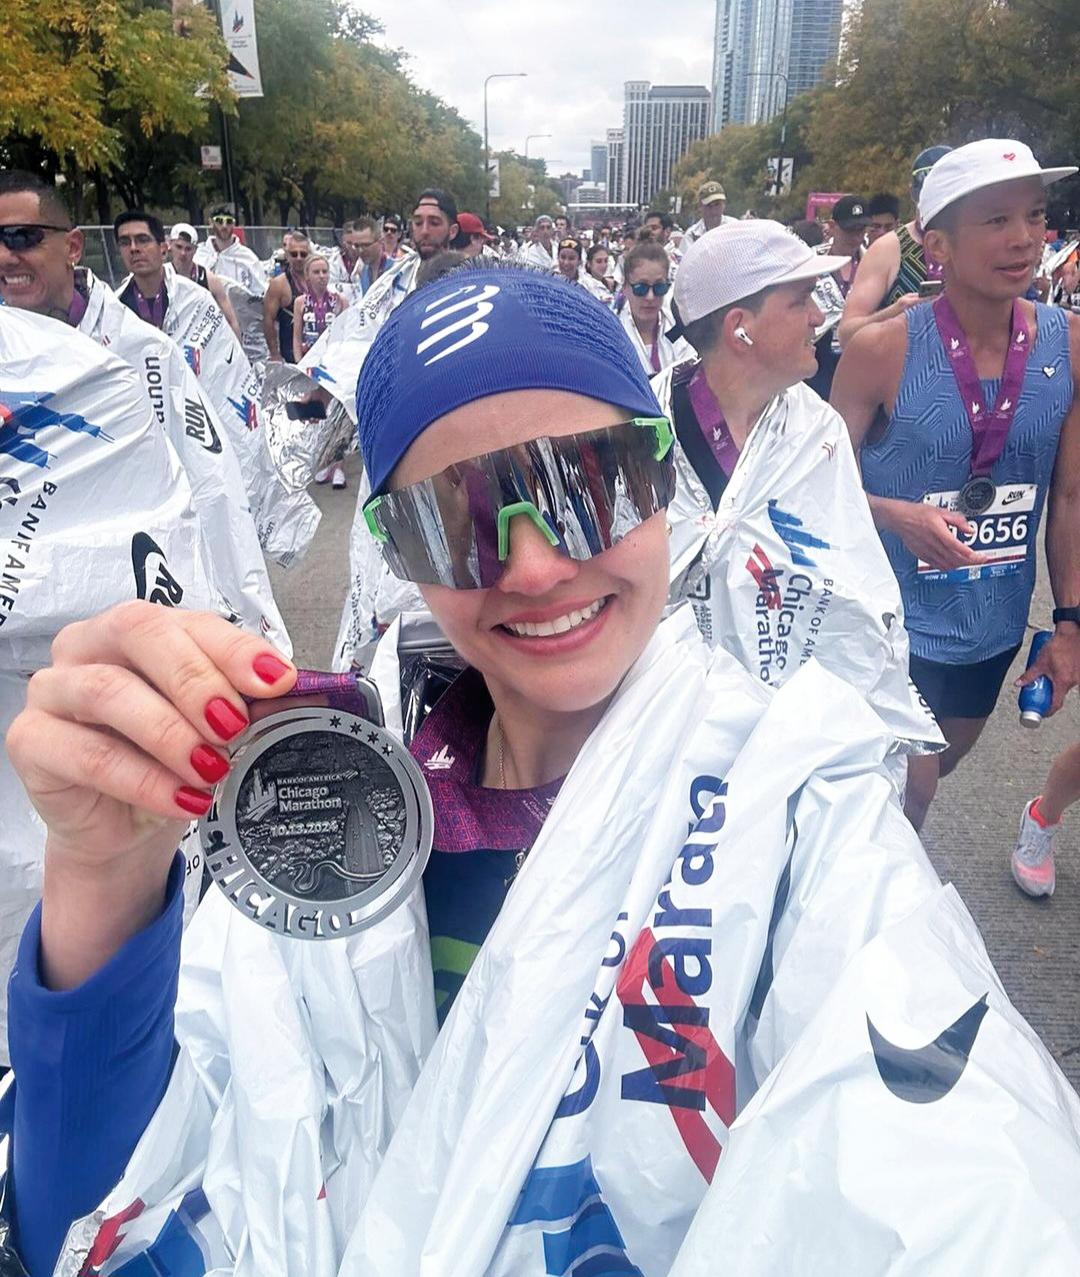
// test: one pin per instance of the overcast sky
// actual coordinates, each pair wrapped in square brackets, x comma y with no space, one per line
[576,53]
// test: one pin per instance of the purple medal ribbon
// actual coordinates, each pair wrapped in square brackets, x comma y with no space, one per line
[989,429]
[712,423]
[152,309]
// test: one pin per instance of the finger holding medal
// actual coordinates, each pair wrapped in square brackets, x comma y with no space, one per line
[120,744]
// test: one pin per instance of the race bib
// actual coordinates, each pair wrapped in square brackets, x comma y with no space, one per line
[1001,534]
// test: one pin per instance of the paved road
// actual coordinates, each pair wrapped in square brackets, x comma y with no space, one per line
[1035,945]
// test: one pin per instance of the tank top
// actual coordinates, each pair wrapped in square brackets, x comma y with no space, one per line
[285,321]
[971,614]
[913,270]
[200,277]
[318,316]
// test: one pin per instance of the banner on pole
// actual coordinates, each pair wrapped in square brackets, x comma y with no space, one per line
[493,178]
[238,28]
[211,156]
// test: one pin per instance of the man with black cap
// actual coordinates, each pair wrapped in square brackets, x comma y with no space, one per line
[895,270]
[711,203]
[844,237]
[771,539]
[966,417]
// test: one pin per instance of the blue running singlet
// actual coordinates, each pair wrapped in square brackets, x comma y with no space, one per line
[971,614]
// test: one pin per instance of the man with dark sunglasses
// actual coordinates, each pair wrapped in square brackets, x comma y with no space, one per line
[223,253]
[281,295]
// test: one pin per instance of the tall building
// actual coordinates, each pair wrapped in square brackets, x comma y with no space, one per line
[659,124]
[598,161]
[615,144]
[762,48]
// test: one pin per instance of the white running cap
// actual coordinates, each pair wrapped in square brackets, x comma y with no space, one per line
[739,259]
[185,229]
[977,165]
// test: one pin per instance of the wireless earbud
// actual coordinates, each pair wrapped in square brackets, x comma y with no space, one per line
[744,336]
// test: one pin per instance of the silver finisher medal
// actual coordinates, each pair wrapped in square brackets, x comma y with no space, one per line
[322,826]
[976,496]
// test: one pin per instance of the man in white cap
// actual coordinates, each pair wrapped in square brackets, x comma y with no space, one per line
[711,203]
[183,242]
[771,539]
[966,417]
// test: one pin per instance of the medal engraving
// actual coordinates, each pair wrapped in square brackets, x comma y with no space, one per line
[322,827]
[976,496]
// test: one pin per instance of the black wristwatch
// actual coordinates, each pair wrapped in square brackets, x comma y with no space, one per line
[1067,614]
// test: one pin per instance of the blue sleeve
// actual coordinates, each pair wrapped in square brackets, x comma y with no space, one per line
[91,1065]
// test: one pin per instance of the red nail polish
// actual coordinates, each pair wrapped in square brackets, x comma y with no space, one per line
[268,667]
[210,765]
[195,801]
[224,719]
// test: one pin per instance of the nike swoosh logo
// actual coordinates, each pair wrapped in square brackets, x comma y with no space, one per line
[1013,496]
[230,358]
[930,1072]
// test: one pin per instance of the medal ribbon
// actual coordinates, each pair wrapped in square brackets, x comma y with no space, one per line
[711,420]
[152,309]
[989,430]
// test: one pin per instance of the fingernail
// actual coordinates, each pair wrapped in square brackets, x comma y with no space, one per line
[195,801]
[210,765]
[269,667]
[224,719]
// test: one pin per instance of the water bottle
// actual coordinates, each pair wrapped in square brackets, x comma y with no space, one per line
[1035,699]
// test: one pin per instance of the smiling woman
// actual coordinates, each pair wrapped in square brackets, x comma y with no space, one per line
[655,890]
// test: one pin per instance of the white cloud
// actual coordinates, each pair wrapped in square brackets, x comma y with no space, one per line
[576,56]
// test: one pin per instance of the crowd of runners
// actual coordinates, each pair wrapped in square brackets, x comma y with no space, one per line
[634,476]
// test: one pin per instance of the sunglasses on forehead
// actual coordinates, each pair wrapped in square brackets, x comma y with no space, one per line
[583,493]
[17,239]
[570,243]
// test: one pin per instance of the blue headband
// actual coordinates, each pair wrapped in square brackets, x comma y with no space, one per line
[479,332]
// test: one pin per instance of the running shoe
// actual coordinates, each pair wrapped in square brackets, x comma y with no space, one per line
[1033,858]
[324,474]
[338,478]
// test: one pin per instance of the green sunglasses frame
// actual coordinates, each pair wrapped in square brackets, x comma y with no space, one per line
[665,438]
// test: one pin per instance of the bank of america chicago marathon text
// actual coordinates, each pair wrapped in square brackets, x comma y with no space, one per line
[22,543]
[775,648]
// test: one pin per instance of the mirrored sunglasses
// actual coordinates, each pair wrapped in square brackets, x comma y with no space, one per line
[582,492]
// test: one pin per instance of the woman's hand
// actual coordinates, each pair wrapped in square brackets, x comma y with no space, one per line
[119,746]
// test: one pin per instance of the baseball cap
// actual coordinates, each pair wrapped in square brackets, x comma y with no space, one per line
[185,231]
[850,211]
[470,224]
[978,165]
[739,259]
[710,192]
[479,332]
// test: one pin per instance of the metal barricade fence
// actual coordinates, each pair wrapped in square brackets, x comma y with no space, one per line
[103,257]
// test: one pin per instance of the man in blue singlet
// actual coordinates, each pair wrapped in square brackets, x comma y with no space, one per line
[965,413]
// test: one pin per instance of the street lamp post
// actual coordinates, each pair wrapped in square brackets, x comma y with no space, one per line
[532,138]
[498,75]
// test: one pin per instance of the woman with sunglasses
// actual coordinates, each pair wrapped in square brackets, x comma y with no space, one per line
[646,316]
[612,989]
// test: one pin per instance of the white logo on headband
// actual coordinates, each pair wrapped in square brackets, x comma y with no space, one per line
[478,305]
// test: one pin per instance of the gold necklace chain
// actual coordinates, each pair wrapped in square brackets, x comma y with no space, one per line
[502,764]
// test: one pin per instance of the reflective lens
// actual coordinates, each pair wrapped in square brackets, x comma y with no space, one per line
[643,290]
[16,239]
[224,219]
[582,492]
